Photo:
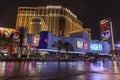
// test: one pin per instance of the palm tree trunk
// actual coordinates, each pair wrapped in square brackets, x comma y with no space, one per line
[59,55]
[19,53]
[66,54]
[28,53]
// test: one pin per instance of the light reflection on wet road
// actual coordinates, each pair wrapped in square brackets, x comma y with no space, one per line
[77,70]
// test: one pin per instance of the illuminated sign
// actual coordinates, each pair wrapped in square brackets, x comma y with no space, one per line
[105,26]
[95,47]
[105,35]
[105,29]
[79,44]
[100,48]
[56,7]
[43,40]
[36,39]
[86,46]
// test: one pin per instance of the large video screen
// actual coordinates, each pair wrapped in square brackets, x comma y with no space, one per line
[100,48]
[79,44]
[95,47]
[43,40]
[36,39]
[105,35]
[86,46]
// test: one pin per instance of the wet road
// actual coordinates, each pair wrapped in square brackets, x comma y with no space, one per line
[77,70]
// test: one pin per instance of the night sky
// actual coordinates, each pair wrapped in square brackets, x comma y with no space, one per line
[90,12]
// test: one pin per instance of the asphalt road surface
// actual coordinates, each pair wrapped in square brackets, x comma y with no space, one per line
[53,70]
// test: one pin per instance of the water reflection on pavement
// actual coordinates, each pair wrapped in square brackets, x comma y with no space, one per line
[48,70]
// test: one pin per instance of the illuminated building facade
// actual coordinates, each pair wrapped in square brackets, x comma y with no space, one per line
[88,31]
[56,19]
[80,45]
[52,23]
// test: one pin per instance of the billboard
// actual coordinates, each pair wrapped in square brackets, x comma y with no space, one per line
[105,35]
[43,40]
[95,47]
[86,46]
[36,39]
[105,29]
[79,44]
[104,24]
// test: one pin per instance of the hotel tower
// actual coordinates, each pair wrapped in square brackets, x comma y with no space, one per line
[56,19]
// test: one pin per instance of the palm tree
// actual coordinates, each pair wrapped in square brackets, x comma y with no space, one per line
[6,40]
[59,46]
[21,38]
[10,41]
[67,47]
[113,53]
[2,39]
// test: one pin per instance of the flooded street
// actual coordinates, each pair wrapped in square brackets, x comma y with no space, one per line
[48,70]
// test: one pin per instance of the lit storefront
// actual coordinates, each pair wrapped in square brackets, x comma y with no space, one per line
[46,39]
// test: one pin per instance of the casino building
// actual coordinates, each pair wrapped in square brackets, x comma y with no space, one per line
[52,23]
[56,19]
[80,45]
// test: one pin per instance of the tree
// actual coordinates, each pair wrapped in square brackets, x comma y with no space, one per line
[6,39]
[113,53]
[21,40]
[10,42]
[2,40]
[68,47]
[59,45]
